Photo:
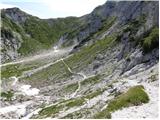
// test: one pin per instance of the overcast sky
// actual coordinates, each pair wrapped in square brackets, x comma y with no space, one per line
[53,8]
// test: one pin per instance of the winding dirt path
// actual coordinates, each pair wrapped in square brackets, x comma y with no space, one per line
[75,93]
[28,87]
[30,72]
[79,82]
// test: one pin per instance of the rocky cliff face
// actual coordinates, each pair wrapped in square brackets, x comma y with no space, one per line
[121,14]
[103,65]
[112,16]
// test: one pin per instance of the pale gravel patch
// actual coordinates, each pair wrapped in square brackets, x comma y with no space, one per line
[15,80]
[27,90]
[35,112]
[19,109]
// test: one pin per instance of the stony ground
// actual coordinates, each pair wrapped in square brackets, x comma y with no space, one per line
[28,100]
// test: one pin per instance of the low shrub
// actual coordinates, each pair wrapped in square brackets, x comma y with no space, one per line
[133,97]
[151,41]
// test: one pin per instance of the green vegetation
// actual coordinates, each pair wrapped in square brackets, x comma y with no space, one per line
[7,95]
[71,87]
[87,54]
[49,32]
[151,41]
[133,97]
[103,115]
[38,34]
[74,115]
[52,73]
[9,24]
[10,70]
[29,45]
[135,24]
[75,102]
[94,94]
[133,27]
[52,110]
[78,114]
[14,70]
[49,111]
[106,25]
[91,80]
[78,61]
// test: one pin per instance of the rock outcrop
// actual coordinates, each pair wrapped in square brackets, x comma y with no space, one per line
[102,65]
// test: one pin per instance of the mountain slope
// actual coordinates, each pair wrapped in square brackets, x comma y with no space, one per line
[29,34]
[104,62]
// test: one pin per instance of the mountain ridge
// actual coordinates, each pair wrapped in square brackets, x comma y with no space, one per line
[77,29]
[102,65]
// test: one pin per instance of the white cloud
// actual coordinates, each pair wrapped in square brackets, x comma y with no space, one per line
[54,8]
[72,7]
[2,5]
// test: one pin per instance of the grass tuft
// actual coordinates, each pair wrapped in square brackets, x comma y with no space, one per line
[151,41]
[7,95]
[75,102]
[133,97]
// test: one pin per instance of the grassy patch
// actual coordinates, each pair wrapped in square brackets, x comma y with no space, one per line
[7,95]
[52,110]
[79,60]
[38,34]
[151,41]
[50,74]
[103,115]
[91,80]
[133,97]
[48,32]
[84,112]
[135,24]
[14,70]
[94,94]
[106,25]
[30,46]
[9,24]
[71,87]
[75,102]
[88,81]
[49,111]
[87,54]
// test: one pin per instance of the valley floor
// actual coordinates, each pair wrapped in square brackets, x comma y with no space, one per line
[30,102]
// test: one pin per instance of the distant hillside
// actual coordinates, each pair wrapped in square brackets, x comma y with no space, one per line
[103,65]
[24,34]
